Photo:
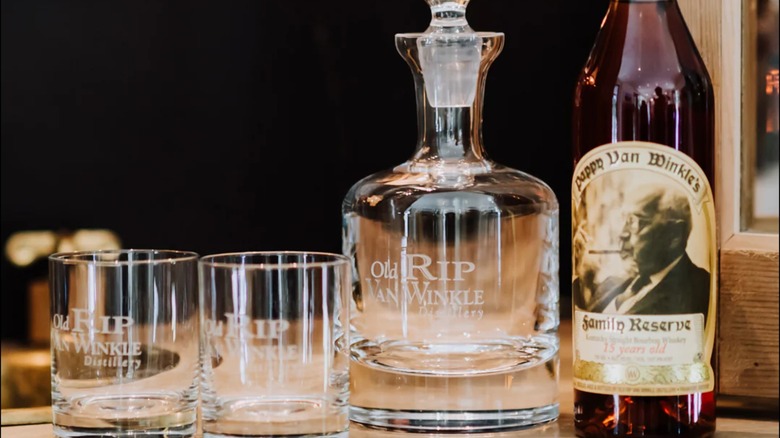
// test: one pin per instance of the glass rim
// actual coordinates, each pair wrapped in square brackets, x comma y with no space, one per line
[322,259]
[159,256]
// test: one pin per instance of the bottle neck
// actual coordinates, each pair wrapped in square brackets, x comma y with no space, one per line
[644,81]
[449,103]
[650,36]
[448,133]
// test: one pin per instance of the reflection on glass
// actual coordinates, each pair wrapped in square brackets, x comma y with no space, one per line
[762,214]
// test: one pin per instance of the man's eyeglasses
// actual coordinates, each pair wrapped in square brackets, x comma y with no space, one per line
[635,224]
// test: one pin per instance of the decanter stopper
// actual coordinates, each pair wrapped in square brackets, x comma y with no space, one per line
[450,55]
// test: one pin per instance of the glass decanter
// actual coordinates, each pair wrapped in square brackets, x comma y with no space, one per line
[455,261]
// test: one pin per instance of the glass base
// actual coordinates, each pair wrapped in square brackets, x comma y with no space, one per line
[344,434]
[454,421]
[181,431]
[454,359]
[124,415]
[281,416]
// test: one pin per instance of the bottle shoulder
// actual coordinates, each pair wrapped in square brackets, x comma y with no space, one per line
[499,181]
[615,79]
[639,49]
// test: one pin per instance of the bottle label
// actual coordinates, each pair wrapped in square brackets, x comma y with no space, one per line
[644,272]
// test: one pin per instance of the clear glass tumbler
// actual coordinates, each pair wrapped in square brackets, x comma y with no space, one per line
[124,343]
[275,340]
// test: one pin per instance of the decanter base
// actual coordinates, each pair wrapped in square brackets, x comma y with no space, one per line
[454,421]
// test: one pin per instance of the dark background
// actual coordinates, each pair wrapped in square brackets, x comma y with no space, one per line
[240,125]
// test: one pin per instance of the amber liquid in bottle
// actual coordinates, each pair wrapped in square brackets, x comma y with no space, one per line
[645,81]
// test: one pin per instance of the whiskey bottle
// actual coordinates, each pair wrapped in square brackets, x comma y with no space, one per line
[643,229]
[455,258]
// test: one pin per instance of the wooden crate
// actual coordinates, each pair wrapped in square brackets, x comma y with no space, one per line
[747,341]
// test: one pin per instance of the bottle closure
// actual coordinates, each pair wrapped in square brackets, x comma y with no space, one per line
[448,13]
[450,56]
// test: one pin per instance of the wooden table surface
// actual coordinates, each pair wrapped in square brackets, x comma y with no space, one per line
[563,427]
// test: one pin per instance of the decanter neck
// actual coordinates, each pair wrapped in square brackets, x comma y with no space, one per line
[450,93]
[449,133]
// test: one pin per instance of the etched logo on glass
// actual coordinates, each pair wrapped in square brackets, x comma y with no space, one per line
[79,333]
[437,288]
[231,337]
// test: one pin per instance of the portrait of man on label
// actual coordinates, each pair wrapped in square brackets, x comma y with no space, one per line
[638,262]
